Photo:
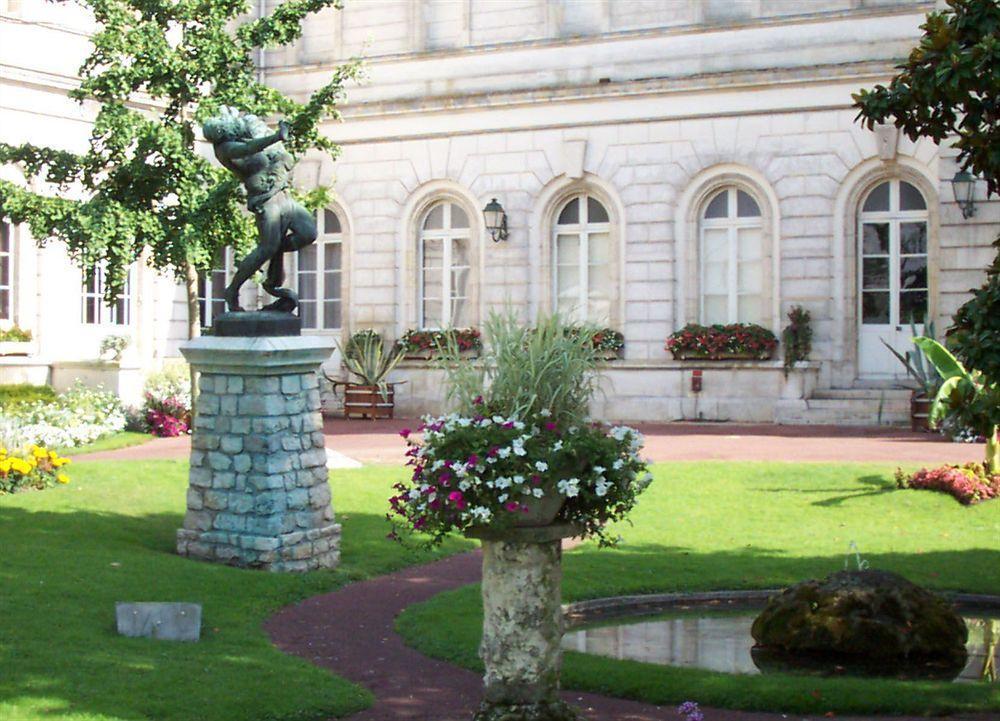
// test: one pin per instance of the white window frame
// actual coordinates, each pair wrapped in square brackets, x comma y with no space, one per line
[447,235]
[8,257]
[733,224]
[105,315]
[583,230]
[895,218]
[323,238]
[206,298]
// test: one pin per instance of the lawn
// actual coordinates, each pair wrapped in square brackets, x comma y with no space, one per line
[752,525]
[122,439]
[70,552]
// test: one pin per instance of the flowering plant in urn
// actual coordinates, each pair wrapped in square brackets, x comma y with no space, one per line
[520,452]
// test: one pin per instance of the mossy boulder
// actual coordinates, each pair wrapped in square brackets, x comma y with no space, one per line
[864,614]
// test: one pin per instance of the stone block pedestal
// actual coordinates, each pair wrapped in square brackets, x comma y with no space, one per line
[259,496]
[523,625]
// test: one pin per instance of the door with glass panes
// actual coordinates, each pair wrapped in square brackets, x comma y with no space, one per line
[893,285]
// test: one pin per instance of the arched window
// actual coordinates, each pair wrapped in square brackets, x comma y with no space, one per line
[6,272]
[445,239]
[212,288]
[319,275]
[732,259]
[892,272]
[582,260]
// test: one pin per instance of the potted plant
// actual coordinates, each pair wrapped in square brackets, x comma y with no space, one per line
[735,341]
[419,344]
[16,341]
[518,450]
[366,358]
[928,382]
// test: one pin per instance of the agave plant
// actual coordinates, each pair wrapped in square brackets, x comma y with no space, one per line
[916,362]
[365,356]
[967,395]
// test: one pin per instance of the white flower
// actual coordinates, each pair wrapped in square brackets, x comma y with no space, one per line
[599,470]
[541,466]
[464,422]
[518,480]
[485,422]
[413,494]
[502,482]
[518,426]
[602,488]
[569,487]
[499,420]
[504,453]
[618,464]
[464,485]
[502,497]
[557,446]
[481,512]
[545,413]
[537,492]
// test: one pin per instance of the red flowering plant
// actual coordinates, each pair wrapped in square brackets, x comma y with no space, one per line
[429,343]
[491,471]
[968,484]
[607,340]
[719,342]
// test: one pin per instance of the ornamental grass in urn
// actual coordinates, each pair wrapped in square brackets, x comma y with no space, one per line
[519,450]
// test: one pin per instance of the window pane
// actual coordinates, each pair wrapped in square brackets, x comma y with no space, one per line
[331,314]
[217,307]
[218,283]
[4,238]
[875,239]
[716,309]
[5,312]
[910,198]
[307,312]
[4,270]
[748,309]
[307,286]
[331,223]
[331,286]
[750,277]
[331,256]
[459,253]
[878,199]
[570,215]
[600,248]
[913,306]
[913,273]
[596,213]
[435,218]
[307,258]
[715,277]
[749,241]
[433,253]
[719,206]
[459,219]
[715,246]
[568,282]
[912,238]
[746,207]
[459,282]
[875,273]
[567,249]
[875,308]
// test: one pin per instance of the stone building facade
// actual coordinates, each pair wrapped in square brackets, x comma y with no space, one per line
[660,162]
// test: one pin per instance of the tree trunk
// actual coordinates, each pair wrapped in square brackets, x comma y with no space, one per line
[194,321]
[993,451]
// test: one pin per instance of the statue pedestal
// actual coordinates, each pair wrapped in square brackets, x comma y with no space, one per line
[522,624]
[258,494]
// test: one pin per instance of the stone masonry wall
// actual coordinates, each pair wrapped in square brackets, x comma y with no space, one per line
[258,494]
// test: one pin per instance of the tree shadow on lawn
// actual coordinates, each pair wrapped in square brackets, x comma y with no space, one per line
[876,486]
[62,573]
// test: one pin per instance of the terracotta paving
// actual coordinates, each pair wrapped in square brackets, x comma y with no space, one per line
[379,442]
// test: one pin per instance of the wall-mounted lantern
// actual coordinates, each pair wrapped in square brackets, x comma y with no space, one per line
[964,186]
[496,220]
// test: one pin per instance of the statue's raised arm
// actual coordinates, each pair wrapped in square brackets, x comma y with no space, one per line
[246,147]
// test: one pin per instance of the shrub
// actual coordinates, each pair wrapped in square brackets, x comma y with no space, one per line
[718,342]
[430,342]
[80,415]
[14,395]
[797,336]
[167,406]
[15,335]
[968,484]
[36,467]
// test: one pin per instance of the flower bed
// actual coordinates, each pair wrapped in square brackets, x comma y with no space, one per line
[968,484]
[80,415]
[488,471]
[426,344]
[736,341]
[166,410]
[34,468]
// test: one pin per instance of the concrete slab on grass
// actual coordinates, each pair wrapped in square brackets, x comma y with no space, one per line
[166,621]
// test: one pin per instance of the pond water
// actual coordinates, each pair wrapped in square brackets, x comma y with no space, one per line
[722,642]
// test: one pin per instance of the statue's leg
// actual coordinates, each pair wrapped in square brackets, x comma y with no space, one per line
[269,244]
[301,227]
[287,300]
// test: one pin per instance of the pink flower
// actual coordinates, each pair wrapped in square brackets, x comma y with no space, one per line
[477,401]
[550,426]
[473,460]
[405,433]
[512,506]
[457,498]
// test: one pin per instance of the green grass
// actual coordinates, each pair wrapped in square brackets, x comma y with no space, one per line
[754,525]
[122,439]
[71,552]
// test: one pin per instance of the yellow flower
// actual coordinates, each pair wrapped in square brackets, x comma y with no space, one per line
[62,478]
[5,465]
[3,452]
[38,452]
[60,462]
[20,466]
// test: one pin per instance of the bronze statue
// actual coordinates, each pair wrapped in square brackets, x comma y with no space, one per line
[244,146]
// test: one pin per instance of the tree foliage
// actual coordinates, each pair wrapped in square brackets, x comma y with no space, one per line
[949,89]
[157,69]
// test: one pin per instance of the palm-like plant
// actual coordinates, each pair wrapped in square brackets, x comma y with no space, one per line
[967,395]
[365,356]
[917,365]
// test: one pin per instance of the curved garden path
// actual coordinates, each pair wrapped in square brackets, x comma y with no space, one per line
[350,632]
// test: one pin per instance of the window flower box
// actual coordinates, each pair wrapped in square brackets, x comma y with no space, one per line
[424,344]
[736,341]
[16,342]
[609,343]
